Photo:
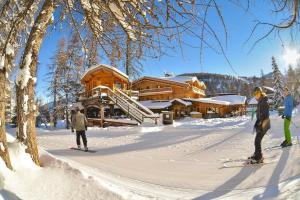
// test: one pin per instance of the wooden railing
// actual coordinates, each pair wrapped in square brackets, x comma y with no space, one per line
[129,105]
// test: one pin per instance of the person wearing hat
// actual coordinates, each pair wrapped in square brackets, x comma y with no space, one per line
[287,116]
[262,124]
[79,123]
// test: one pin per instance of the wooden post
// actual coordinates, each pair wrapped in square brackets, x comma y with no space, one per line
[102,115]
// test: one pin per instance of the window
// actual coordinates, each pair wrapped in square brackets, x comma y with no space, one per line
[118,85]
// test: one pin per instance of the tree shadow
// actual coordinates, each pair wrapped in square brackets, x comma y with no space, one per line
[229,185]
[8,195]
[272,189]
[220,142]
[146,142]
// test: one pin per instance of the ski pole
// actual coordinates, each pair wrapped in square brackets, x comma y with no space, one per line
[294,124]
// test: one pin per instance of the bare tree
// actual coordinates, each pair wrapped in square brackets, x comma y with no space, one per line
[26,81]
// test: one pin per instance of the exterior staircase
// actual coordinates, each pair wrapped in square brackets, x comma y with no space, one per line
[133,108]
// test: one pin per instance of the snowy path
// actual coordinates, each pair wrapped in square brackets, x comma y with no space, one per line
[184,160]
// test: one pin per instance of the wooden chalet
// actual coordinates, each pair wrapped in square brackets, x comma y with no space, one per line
[179,107]
[168,88]
[106,89]
[220,106]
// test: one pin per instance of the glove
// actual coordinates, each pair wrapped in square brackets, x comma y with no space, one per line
[72,130]
[282,116]
[86,128]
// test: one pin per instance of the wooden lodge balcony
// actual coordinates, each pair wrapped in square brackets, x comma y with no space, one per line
[198,91]
[153,91]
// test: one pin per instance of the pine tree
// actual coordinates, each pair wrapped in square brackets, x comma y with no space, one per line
[278,84]
[58,60]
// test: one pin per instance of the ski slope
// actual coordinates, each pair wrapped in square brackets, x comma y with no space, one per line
[183,160]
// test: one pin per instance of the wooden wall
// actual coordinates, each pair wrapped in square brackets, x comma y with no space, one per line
[104,78]
[222,110]
[178,90]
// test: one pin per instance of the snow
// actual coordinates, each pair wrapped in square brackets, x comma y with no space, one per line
[222,100]
[156,104]
[232,99]
[2,59]
[253,101]
[179,161]
[25,105]
[57,179]
[184,79]
[23,75]
[209,100]
[97,67]
[182,102]
[121,17]
[269,88]
[9,50]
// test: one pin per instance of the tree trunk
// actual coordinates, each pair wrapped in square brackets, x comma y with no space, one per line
[3,143]
[66,110]
[20,114]
[128,56]
[31,51]
[54,104]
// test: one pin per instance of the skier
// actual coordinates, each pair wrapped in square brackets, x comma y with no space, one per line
[79,123]
[287,116]
[262,124]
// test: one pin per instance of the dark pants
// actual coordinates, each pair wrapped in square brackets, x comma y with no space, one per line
[82,134]
[259,136]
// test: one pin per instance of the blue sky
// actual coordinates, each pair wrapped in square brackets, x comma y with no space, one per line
[239,25]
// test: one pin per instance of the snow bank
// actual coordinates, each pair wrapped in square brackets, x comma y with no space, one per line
[55,180]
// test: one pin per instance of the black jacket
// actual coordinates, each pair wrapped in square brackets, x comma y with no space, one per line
[262,114]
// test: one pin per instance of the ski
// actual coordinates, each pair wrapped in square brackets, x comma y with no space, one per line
[89,151]
[247,164]
[278,147]
[229,160]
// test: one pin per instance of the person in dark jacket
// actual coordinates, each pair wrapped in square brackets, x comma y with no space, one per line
[287,116]
[262,124]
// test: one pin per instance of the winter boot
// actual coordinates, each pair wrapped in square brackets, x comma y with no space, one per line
[256,161]
[286,145]
[85,148]
[283,143]
[79,147]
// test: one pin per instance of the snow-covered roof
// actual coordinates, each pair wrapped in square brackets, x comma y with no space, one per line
[97,67]
[232,99]
[222,100]
[177,79]
[183,79]
[182,102]
[210,100]
[253,101]
[100,87]
[269,88]
[156,104]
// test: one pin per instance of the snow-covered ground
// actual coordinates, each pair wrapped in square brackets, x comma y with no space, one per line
[180,161]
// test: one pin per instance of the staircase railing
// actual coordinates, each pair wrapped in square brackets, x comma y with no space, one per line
[130,106]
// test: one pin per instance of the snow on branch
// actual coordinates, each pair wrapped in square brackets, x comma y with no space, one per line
[24,73]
